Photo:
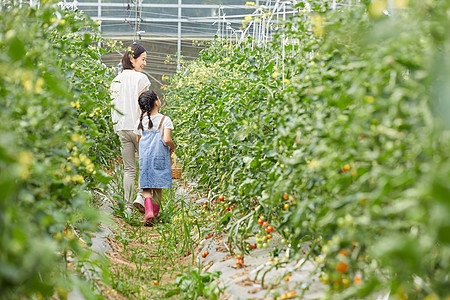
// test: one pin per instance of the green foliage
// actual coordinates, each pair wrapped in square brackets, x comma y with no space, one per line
[195,285]
[55,132]
[349,130]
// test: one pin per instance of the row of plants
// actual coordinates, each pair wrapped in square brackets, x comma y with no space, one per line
[342,143]
[55,133]
[157,261]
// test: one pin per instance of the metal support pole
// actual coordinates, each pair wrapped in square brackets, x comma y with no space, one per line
[99,15]
[179,35]
[224,24]
[136,7]
[218,24]
[284,45]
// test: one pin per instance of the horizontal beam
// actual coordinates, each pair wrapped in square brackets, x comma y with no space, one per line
[162,20]
[122,36]
[81,4]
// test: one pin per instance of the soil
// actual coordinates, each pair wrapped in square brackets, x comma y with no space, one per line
[119,259]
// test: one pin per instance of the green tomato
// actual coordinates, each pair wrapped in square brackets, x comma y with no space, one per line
[265,245]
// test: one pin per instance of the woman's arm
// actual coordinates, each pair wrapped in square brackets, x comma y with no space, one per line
[168,140]
[138,137]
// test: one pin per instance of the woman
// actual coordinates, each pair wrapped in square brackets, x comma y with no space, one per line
[125,91]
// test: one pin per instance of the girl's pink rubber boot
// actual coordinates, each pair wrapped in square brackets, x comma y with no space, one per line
[149,214]
[155,209]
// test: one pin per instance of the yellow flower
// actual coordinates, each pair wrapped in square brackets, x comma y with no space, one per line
[83,158]
[90,168]
[38,86]
[75,104]
[248,3]
[76,161]
[248,18]
[276,74]
[286,81]
[27,80]
[401,3]
[59,21]
[78,138]
[377,8]
[431,297]
[317,21]
[370,99]
[25,160]
[77,178]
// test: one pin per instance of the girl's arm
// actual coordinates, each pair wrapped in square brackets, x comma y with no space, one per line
[168,140]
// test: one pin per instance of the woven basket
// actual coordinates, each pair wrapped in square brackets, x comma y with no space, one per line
[176,169]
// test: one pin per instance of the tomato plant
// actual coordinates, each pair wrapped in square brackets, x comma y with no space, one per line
[348,129]
[55,133]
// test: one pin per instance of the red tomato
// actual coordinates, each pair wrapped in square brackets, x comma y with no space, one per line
[269,229]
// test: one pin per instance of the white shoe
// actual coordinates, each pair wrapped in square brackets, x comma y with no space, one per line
[139,203]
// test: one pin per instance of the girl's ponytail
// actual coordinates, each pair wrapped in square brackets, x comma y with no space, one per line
[140,126]
[149,110]
[147,102]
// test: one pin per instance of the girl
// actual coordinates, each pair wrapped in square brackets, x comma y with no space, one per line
[155,148]
[125,90]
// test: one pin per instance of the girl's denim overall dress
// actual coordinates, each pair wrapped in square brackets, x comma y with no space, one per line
[154,160]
